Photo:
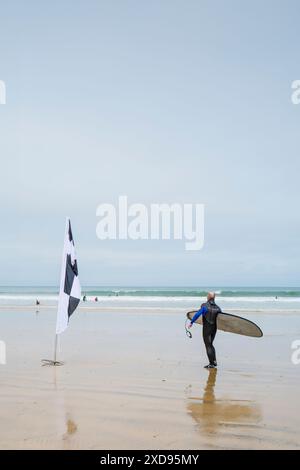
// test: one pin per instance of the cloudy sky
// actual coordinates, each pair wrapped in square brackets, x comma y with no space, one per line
[162,101]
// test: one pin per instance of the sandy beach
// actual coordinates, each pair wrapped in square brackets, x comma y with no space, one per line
[134,380]
[150,169]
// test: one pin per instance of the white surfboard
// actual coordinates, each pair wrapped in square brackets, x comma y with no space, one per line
[232,324]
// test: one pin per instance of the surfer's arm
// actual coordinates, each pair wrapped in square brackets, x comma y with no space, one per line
[201,311]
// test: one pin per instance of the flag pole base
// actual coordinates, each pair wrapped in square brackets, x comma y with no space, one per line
[48,362]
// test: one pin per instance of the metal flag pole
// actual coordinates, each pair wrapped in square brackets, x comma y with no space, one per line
[54,362]
[69,290]
[55,348]
[49,362]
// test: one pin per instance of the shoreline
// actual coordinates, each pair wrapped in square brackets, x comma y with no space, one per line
[152,310]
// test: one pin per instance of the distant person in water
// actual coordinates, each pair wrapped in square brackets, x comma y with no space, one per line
[96,299]
[84,298]
[37,302]
[209,311]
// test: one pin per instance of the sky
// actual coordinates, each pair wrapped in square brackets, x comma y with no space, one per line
[163,101]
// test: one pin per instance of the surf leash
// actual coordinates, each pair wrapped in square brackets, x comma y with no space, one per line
[187,332]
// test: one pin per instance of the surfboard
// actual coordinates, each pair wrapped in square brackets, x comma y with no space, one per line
[232,324]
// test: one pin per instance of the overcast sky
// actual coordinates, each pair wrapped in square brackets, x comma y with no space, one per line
[162,101]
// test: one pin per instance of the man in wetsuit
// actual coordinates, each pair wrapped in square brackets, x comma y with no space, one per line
[209,311]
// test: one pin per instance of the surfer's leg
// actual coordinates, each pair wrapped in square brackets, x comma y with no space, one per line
[214,331]
[211,352]
[213,338]
[208,337]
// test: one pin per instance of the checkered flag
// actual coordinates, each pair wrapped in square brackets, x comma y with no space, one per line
[70,290]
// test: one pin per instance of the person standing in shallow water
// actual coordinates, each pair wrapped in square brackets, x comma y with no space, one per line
[209,311]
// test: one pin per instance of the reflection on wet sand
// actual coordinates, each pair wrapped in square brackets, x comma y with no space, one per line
[71,428]
[66,426]
[211,413]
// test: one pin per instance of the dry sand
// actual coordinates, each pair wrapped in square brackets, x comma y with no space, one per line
[135,381]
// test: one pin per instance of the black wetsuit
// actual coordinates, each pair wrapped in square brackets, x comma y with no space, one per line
[210,329]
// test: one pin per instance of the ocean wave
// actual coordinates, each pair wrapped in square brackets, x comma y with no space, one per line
[158,291]
[149,299]
[191,293]
[155,297]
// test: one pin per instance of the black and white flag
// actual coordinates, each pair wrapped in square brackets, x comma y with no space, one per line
[70,290]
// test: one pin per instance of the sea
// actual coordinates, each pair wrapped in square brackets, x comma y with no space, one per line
[234,298]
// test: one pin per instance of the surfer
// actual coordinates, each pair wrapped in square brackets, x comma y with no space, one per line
[209,311]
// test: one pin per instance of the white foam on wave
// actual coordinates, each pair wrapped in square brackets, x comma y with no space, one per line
[163,300]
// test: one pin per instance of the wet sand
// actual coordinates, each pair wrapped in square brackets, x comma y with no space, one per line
[133,380]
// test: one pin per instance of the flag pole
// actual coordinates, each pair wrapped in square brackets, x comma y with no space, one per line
[49,362]
[55,348]
[69,291]
[55,362]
